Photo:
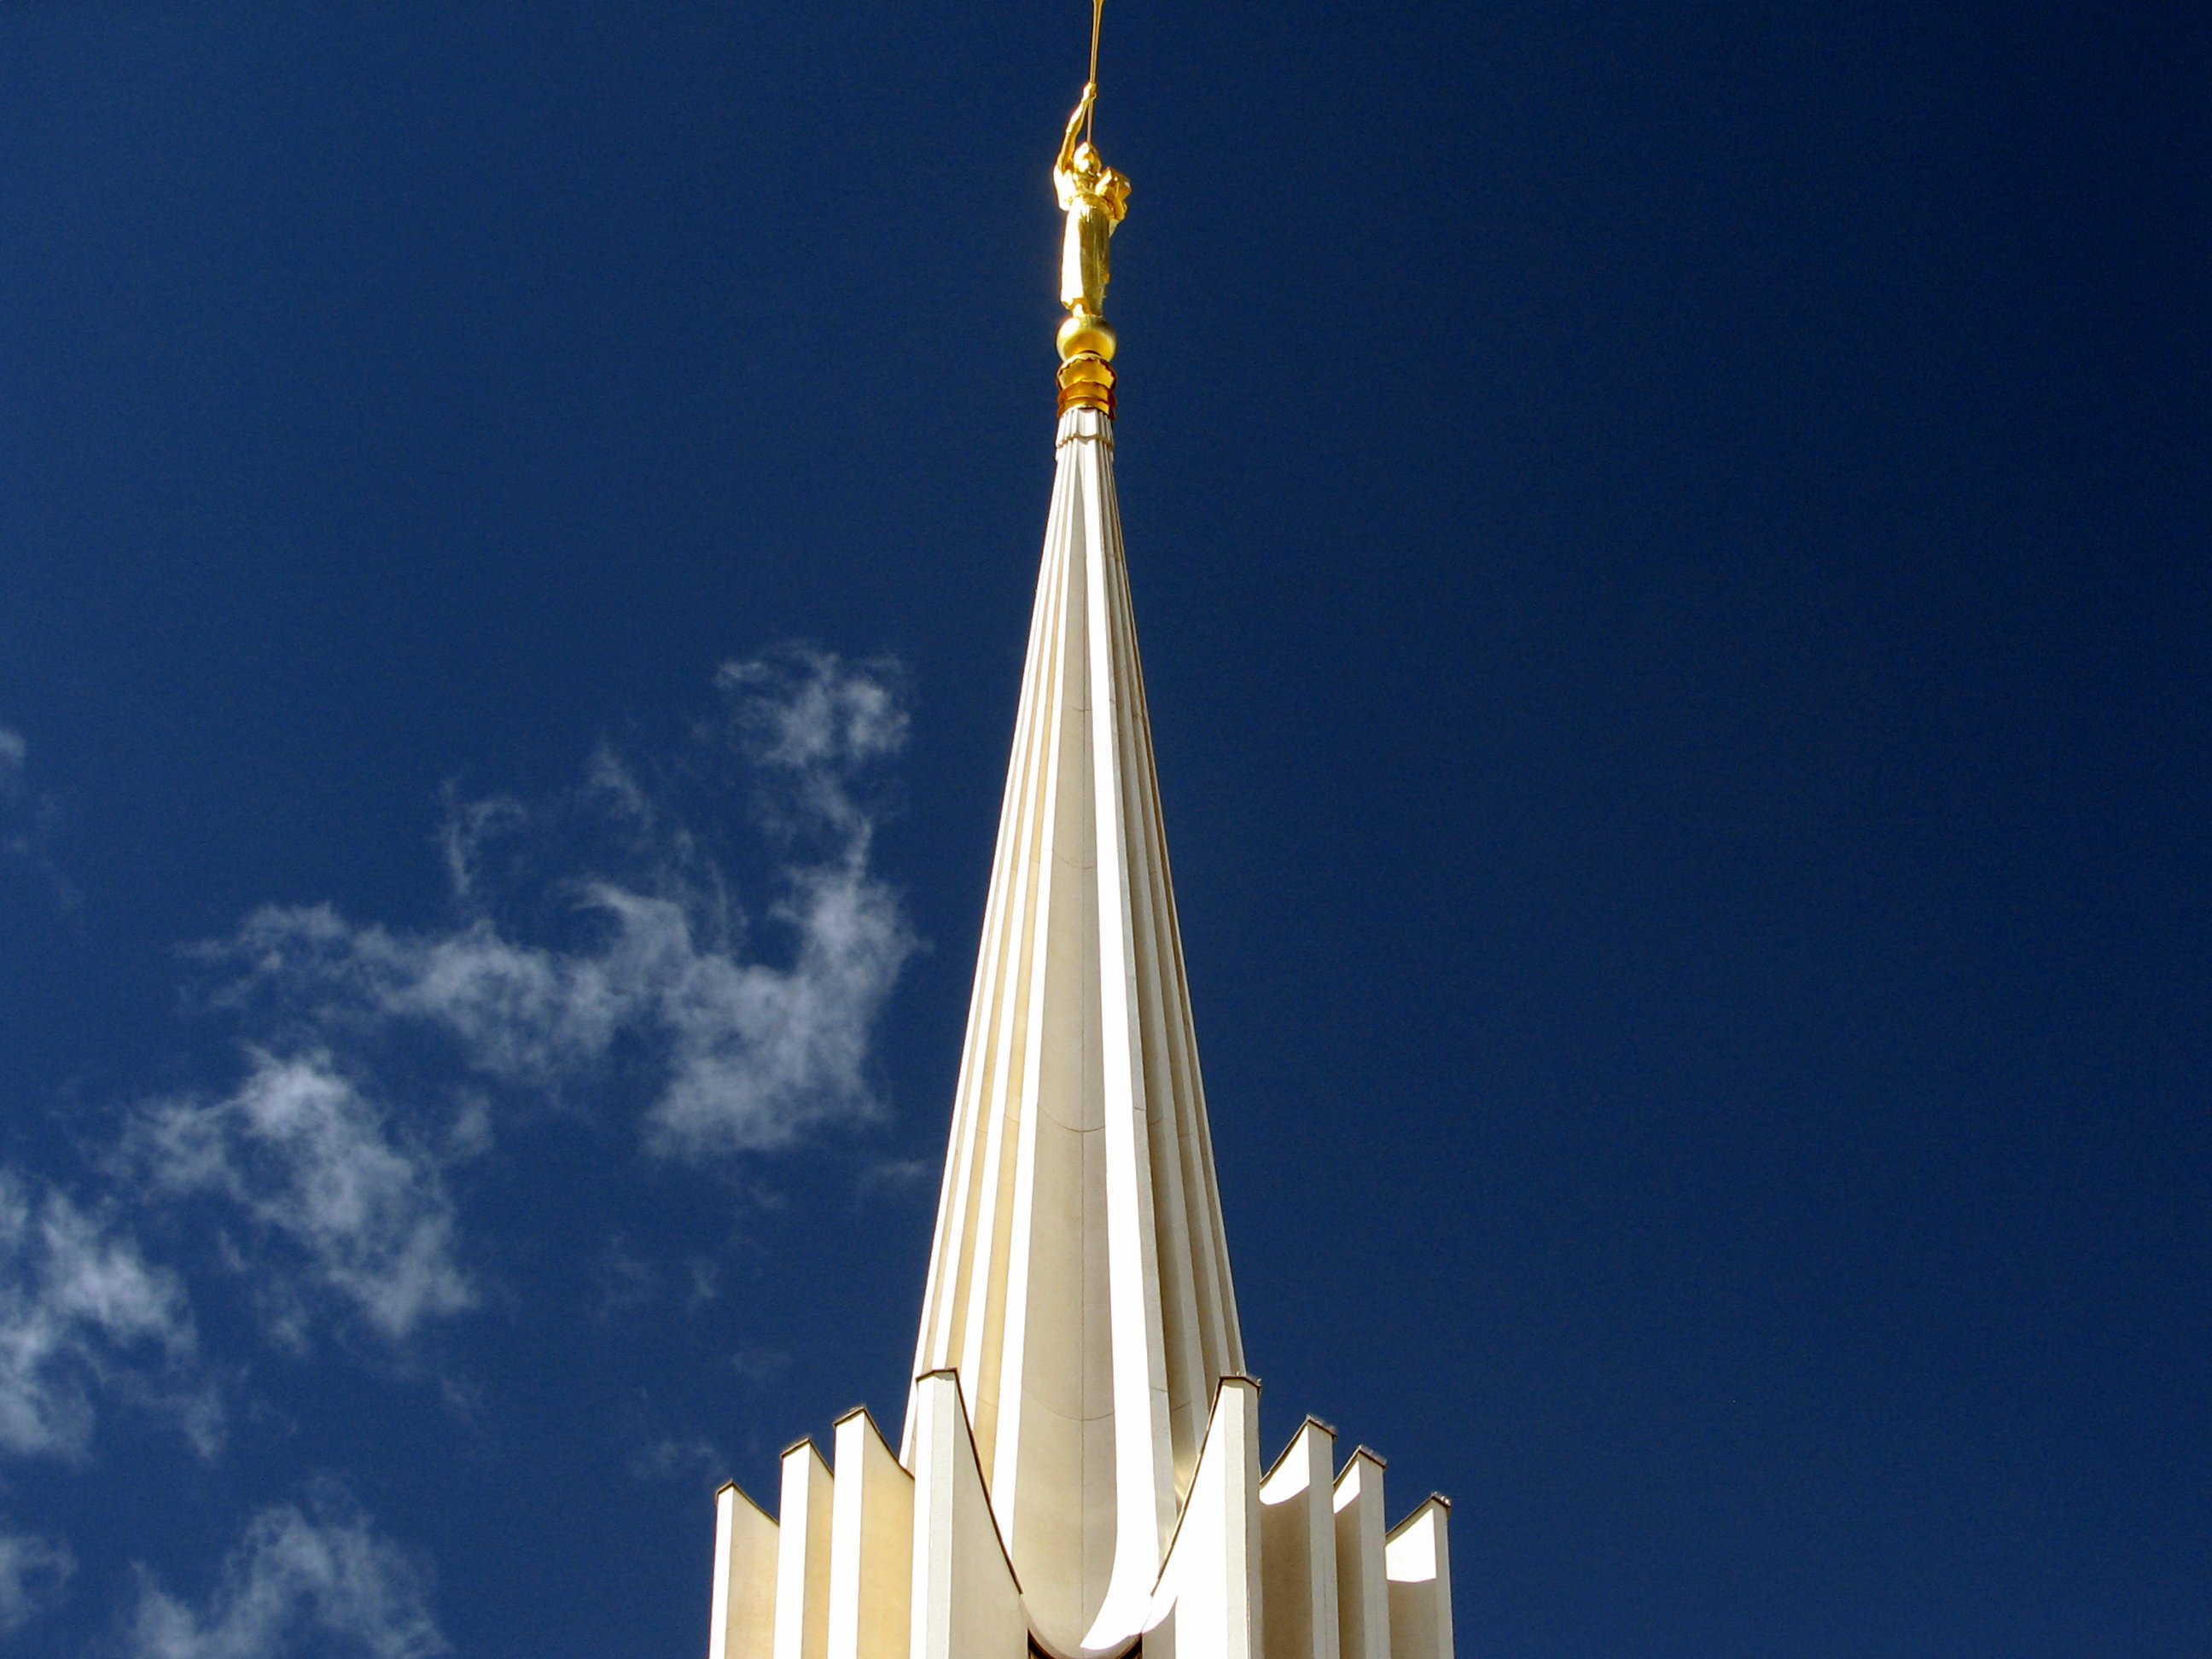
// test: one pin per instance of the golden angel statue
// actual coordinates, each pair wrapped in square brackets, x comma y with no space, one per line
[1096,198]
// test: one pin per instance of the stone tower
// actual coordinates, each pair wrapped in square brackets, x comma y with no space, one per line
[1079,1471]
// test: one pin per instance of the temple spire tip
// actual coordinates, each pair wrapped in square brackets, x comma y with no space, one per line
[1095,199]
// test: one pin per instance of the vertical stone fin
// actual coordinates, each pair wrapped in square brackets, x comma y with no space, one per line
[1417,1558]
[1362,1588]
[741,1616]
[802,1557]
[1210,1602]
[1298,1547]
[966,1603]
[870,1545]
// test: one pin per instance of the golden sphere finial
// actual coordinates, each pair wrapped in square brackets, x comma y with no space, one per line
[1085,336]
[1086,357]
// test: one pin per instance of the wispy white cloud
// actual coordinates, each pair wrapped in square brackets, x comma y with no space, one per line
[754,1047]
[33,1572]
[762,1055]
[28,819]
[765,1056]
[657,1449]
[676,1457]
[812,722]
[468,824]
[705,1283]
[893,1175]
[356,1204]
[81,1312]
[760,1366]
[802,708]
[596,952]
[320,1579]
[622,1282]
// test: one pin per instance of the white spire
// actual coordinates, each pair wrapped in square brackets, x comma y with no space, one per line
[1079,1282]
[1080,1467]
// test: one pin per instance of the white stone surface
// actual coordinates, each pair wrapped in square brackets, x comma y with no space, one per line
[967,1604]
[1418,1555]
[802,1560]
[1208,1604]
[1362,1588]
[1078,1280]
[870,1545]
[741,1617]
[1297,1538]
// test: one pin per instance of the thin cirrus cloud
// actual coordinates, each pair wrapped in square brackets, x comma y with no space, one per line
[350,1201]
[34,1569]
[758,1032]
[597,953]
[83,1315]
[755,1047]
[28,820]
[317,1578]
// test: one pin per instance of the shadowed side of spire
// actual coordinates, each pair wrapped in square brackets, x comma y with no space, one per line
[1080,1280]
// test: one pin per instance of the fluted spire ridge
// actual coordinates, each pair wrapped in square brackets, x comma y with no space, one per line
[1080,1280]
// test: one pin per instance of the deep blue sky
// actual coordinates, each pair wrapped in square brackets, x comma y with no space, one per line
[1671,547]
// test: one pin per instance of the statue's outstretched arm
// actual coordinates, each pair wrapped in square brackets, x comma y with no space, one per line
[1066,159]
